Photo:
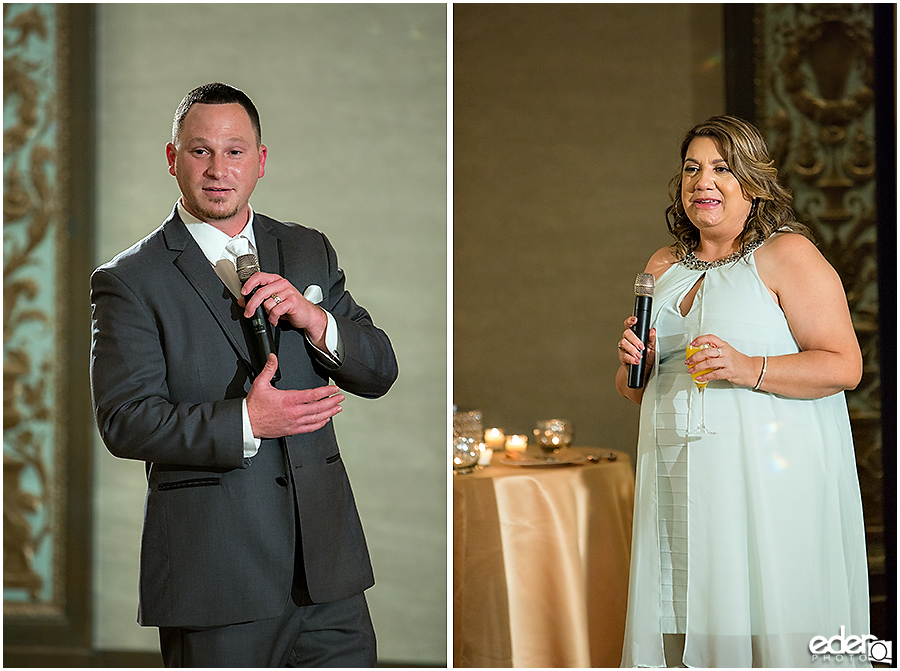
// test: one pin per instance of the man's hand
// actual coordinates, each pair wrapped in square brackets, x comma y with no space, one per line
[282,300]
[275,413]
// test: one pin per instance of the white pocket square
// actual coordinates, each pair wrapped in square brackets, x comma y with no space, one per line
[313,293]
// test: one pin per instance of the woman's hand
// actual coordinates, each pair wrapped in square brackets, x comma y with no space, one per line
[724,362]
[631,349]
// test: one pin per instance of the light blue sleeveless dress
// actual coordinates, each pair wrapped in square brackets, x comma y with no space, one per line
[749,541]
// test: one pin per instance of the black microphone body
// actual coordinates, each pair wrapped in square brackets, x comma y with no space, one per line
[642,305]
[643,302]
[259,328]
[261,339]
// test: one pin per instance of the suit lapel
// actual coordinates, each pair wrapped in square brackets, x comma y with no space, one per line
[196,268]
[269,233]
[266,244]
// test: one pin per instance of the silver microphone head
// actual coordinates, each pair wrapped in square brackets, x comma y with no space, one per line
[644,284]
[247,265]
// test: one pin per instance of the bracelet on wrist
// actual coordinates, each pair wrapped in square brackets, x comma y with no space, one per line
[762,373]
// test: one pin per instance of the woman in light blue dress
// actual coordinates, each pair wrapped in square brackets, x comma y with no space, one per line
[748,541]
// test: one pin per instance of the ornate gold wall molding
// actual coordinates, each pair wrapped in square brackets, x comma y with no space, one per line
[48,175]
[815,102]
[33,548]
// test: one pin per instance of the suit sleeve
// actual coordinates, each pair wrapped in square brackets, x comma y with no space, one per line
[135,412]
[368,365]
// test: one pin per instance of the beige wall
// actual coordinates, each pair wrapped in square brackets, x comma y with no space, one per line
[353,106]
[567,123]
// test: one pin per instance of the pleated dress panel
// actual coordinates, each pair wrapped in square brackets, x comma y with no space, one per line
[749,541]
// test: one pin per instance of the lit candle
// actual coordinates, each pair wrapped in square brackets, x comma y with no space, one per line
[516,443]
[484,459]
[494,439]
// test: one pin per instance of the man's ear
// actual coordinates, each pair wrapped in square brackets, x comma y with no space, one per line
[170,157]
[262,160]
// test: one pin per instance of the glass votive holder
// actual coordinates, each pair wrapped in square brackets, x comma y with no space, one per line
[516,443]
[494,439]
[465,454]
[468,424]
[553,434]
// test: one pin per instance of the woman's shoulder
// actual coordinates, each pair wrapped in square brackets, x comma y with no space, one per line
[661,261]
[790,248]
[789,258]
[787,241]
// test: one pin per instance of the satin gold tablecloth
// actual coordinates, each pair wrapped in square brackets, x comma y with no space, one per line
[540,563]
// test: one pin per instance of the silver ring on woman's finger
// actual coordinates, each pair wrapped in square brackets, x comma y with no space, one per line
[719,350]
[275,298]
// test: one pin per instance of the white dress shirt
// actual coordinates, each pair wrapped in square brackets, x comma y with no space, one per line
[213,242]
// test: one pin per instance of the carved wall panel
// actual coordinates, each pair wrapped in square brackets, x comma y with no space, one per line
[47,439]
[815,102]
[32,507]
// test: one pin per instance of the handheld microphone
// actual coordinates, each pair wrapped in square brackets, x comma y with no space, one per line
[643,291]
[247,266]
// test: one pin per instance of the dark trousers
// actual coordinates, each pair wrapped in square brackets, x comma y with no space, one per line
[336,634]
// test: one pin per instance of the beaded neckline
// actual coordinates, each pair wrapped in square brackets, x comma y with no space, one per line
[691,262]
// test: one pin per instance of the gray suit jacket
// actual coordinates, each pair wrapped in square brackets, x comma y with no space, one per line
[170,366]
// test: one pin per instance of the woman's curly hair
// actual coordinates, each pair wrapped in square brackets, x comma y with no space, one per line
[745,152]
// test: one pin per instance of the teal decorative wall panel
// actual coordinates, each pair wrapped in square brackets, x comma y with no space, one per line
[816,102]
[32,356]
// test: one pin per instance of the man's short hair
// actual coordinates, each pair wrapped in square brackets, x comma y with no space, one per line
[215,94]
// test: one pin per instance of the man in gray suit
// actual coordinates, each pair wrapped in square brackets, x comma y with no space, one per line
[252,552]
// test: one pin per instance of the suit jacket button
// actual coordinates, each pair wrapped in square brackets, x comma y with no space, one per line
[281,480]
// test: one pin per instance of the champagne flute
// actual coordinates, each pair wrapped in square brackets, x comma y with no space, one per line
[700,429]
